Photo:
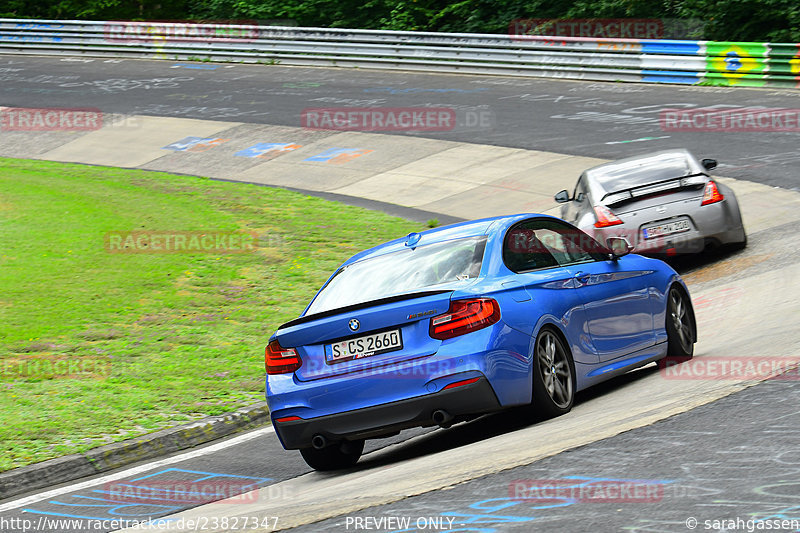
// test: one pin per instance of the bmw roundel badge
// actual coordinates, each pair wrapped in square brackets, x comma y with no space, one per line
[354,324]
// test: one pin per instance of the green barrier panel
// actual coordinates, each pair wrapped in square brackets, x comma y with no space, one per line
[785,59]
[783,49]
[742,80]
[783,66]
[751,80]
[790,84]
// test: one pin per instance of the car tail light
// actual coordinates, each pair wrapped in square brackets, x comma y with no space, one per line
[605,217]
[281,360]
[463,317]
[711,194]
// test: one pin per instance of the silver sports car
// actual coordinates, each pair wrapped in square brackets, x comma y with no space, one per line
[662,203]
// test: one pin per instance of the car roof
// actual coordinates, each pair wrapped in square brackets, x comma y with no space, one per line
[472,228]
[640,170]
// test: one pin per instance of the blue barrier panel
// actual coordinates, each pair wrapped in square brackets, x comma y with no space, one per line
[672,76]
[664,46]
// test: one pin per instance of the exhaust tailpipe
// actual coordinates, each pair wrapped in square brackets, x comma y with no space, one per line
[319,442]
[442,418]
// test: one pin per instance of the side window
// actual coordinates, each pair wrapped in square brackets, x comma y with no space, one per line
[546,243]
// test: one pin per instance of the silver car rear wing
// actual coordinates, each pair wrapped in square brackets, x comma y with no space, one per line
[649,189]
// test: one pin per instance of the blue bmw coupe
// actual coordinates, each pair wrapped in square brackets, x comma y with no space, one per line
[451,323]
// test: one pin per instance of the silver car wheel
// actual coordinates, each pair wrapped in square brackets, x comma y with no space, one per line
[555,369]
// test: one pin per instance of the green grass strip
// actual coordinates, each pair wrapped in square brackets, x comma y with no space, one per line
[182,335]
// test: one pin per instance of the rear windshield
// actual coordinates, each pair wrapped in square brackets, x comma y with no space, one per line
[402,272]
[641,172]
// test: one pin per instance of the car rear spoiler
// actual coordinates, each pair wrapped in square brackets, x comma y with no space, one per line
[657,187]
[361,305]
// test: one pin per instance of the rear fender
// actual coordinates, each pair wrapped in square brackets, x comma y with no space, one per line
[659,298]
[572,327]
[733,214]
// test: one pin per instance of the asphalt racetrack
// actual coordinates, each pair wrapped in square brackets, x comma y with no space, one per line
[603,120]
[708,450]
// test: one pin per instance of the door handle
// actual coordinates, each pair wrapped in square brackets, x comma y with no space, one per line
[582,279]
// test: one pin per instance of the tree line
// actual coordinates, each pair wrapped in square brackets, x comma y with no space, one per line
[725,20]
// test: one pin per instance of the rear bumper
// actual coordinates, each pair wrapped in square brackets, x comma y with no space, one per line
[389,418]
[711,225]
[690,242]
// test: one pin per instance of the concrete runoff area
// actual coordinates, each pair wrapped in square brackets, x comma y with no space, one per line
[128,145]
[458,179]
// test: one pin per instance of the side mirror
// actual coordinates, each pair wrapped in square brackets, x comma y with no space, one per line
[562,197]
[619,247]
[709,164]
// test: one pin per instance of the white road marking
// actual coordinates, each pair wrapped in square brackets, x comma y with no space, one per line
[136,470]
[639,140]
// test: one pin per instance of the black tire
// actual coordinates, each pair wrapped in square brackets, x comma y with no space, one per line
[553,376]
[335,456]
[681,328]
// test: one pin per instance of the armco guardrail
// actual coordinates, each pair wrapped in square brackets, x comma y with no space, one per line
[664,61]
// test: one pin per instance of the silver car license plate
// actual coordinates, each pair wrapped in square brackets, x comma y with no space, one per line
[667,228]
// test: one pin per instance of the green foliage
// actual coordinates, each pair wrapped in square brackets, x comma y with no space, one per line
[729,20]
[746,20]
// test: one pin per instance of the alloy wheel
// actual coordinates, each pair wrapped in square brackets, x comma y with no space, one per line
[555,369]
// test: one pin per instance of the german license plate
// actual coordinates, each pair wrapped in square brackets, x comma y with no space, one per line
[668,228]
[365,346]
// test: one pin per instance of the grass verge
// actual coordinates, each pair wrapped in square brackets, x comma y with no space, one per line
[154,339]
